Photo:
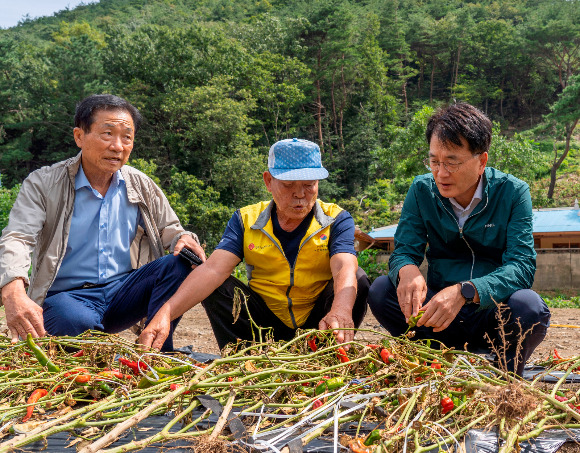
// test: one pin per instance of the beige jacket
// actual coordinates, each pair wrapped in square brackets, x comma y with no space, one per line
[40,221]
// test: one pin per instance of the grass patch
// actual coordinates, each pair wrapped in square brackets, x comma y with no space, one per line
[561,300]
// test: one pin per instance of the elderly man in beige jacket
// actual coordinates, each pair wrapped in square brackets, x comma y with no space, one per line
[97,231]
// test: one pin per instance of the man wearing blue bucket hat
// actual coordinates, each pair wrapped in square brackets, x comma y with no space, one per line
[299,254]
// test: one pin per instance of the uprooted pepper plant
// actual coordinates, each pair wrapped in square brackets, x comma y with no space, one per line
[98,386]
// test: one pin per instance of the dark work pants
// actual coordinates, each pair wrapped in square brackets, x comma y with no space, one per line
[118,305]
[471,323]
[218,307]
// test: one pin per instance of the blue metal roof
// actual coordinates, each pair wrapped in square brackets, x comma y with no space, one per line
[557,220]
[383,232]
[546,221]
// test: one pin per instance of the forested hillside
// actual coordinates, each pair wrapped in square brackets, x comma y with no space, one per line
[218,81]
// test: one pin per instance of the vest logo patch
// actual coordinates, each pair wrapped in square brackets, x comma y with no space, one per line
[490,225]
[323,237]
[251,246]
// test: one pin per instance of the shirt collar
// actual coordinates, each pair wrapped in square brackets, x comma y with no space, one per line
[477,197]
[82,181]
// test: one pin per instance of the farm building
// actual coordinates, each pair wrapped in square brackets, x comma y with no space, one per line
[556,240]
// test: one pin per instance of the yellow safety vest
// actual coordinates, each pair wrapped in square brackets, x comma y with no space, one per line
[290,292]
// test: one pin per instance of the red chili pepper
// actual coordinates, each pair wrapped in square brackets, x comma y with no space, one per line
[560,398]
[316,404]
[447,405]
[134,366]
[387,356]
[341,354]
[75,371]
[418,379]
[83,378]
[4,368]
[79,353]
[557,356]
[33,398]
[173,387]
[436,365]
[312,342]
[372,346]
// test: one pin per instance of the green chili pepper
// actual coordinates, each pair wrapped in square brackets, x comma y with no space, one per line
[149,381]
[372,367]
[330,385]
[41,355]
[560,393]
[176,371]
[106,388]
[308,391]
[372,437]
[413,320]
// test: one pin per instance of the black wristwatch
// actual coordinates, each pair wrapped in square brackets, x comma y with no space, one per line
[468,292]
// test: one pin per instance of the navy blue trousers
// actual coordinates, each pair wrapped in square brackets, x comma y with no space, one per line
[471,324]
[118,305]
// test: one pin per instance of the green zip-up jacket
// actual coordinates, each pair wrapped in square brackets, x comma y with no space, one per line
[494,249]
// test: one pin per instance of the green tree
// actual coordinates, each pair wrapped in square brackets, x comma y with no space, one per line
[197,206]
[564,116]
[7,199]
[404,156]
[517,155]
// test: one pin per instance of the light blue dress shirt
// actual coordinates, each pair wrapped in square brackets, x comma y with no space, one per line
[101,232]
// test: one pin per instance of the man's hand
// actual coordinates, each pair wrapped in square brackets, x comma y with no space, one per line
[442,309]
[187,241]
[157,331]
[336,319]
[23,315]
[411,290]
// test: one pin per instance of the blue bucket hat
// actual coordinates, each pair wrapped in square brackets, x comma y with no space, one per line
[295,159]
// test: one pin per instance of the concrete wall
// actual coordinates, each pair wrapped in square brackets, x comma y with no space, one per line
[555,269]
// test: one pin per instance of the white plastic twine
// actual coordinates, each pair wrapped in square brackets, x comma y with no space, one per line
[447,431]
[335,427]
[262,412]
[284,433]
[473,372]
[407,429]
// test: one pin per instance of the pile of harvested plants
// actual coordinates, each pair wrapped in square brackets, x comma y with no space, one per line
[98,386]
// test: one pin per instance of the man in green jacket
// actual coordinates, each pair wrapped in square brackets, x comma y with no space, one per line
[474,226]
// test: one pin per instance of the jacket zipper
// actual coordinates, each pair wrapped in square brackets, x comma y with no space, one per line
[461,235]
[292,269]
[288,298]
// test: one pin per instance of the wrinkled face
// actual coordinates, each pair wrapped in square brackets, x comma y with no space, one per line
[462,184]
[294,199]
[108,144]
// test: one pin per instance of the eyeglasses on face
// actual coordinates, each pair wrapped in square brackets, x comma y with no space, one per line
[452,167]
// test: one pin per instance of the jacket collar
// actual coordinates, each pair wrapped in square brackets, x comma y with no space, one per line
[485,189]
[74,163]
[262,220]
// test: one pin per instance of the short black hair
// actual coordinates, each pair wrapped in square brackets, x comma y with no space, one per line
[89,106]
[461,120]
